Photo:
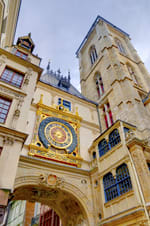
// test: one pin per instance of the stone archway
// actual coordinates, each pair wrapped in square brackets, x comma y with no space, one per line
[68,201]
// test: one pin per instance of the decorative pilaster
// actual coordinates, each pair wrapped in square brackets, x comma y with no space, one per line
[136,150]
[28,74]
[17,111]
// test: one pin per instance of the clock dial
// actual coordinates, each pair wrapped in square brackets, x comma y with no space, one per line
[57,133]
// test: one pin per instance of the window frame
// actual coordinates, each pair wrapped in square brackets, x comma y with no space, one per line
[15,72]
[114,138]
[108,117]
[103,148]
[22,53]
[99,85]
[6,115]
[109,188]
[93,54]
[120,46]
[123,179]
[62,101]
[117,181]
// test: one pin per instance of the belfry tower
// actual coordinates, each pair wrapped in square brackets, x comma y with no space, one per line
[113,75]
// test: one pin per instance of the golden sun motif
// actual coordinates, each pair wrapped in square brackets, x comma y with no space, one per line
[58,135]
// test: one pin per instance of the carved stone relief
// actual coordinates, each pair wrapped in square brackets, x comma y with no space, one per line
[51,180]
[8,140]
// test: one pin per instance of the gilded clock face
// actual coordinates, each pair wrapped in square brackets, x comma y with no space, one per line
[57,133]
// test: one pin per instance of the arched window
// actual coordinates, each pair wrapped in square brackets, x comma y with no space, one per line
[120,46]
[132,73]
[114,138]
[103,147]
[107,115]
[123,179]
[110,187]
[94,155]
[93,54]
[114,187]
[99,85]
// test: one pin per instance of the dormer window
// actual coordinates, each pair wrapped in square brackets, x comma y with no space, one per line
[93,54]
[21,54]
[26,42]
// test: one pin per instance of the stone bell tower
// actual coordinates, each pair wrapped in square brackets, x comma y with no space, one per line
[112,74]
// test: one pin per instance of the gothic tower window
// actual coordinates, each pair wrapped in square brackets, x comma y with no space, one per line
[120,46]
[99,85]
[114,138]
[132,73]
[107,115]
[93,54]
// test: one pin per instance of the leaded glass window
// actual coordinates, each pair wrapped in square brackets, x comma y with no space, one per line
[110,187]
[123,179]
[103,147]
[116,186]
[114,138]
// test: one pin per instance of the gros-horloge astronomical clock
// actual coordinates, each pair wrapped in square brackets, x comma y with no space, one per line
[56,135]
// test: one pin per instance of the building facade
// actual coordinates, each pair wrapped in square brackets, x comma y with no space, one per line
[86,155]
[25,213]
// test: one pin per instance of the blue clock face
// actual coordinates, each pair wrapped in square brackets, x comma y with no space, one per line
[57,133]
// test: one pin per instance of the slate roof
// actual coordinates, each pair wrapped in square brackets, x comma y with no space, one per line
[61,82]
[98,18]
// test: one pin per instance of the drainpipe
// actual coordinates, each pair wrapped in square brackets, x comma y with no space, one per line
[100,126]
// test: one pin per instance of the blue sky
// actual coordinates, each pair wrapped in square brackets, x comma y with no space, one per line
[58,26]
